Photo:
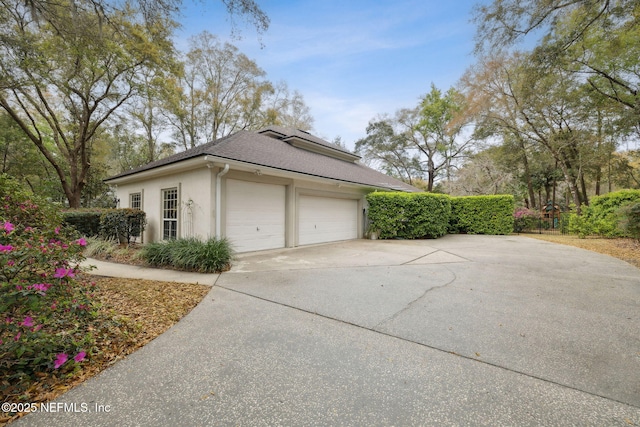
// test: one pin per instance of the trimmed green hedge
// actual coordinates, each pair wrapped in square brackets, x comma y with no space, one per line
[482,214]
[428,215]
[86,222]
[116,224]
[409,215]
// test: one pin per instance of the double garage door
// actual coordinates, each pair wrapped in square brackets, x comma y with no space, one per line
[256,219]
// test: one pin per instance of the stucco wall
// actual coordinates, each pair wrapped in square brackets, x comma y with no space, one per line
[196,193]
[195,196]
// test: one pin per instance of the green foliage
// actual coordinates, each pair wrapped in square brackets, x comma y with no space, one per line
[605,215]
[408,215]
[630,222]
[86,222]
[482,214]
[47,311]
[525,219]
[122,224]
[99,247]
[211,256]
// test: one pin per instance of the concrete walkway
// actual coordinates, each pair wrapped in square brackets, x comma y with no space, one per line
[463,330]
[110,269]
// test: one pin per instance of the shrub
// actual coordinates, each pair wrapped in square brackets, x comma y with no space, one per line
[408,215]
[525,219]
[630,220]
[46,310]
[122,224]
[211,256]
[87,223]
[482,214]
[99,247]
[605,215]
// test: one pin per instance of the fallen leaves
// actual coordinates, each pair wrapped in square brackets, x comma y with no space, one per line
[137,311]
[623,248]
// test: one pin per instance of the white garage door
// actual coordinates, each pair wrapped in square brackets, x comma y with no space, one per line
[324,219]
[255,215]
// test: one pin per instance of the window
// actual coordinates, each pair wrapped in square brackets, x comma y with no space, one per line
[170,214]
[135,201]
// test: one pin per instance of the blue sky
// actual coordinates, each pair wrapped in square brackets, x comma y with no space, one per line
[351,59]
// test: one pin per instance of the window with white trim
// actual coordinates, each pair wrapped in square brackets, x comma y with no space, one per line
[170,213]
[135,201]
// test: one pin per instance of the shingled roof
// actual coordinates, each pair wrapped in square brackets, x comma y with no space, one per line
[276,147]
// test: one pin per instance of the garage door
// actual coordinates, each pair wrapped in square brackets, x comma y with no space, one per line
[324,219]
[255,215]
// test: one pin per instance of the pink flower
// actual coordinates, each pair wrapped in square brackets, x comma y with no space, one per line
[80,356]
[28,322]
[6,248]
[8,227]
[37,328]
[57,230]
[41,287]
[81,241]
[64,272]
[17,337]
[11,263]
[60,359]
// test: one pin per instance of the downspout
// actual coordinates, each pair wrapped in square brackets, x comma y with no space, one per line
[219,176]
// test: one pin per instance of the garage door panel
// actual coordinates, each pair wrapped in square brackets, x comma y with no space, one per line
[325,219]
[255,215]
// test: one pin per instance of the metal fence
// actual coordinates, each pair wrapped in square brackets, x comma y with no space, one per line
[557,224]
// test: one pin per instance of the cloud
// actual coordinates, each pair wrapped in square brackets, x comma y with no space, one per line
[336,116]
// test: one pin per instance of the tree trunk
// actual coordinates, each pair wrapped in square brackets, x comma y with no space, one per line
[527,174]
[585,197]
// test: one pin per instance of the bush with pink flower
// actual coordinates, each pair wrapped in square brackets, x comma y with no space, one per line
[46,310]
[525,219]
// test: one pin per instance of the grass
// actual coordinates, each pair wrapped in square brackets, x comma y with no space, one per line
[625,249]
[190,254]
[141,309]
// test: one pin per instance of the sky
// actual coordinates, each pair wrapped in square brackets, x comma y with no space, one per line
[352,60]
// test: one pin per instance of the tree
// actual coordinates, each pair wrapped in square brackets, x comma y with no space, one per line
[483,174]
[220,92]
[599,40]
[66,67]
[63,79]
[388,149]
[285,108]
[422,142]
[503,23]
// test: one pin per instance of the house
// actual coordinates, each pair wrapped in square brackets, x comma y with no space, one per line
[269,189]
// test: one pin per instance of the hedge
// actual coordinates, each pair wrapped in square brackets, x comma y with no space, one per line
[482,214]
[117,224]
[408,215]
[122,224]
[428,215]
[86,222]
[606,215]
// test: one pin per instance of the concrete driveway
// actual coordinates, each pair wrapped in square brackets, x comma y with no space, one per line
[463,330]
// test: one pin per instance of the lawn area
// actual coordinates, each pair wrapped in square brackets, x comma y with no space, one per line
[141,309]
[625,249]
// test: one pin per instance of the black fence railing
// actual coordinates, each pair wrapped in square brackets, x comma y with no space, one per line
[558,224]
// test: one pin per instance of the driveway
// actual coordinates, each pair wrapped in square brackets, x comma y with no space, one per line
[463,330]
